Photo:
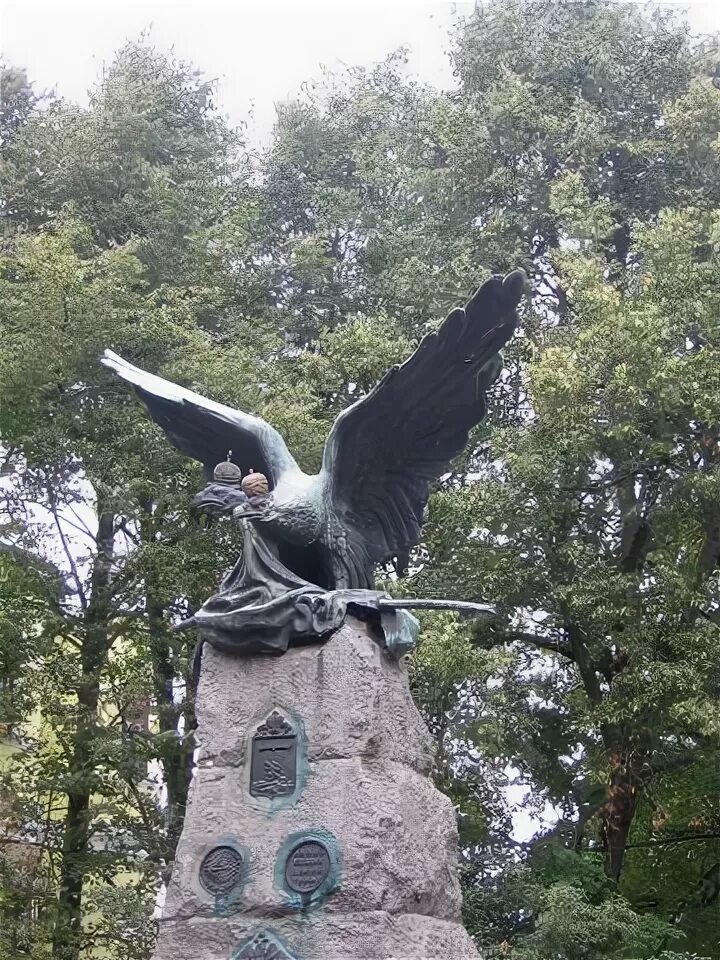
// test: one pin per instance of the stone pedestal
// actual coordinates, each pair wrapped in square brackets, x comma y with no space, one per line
[313,830]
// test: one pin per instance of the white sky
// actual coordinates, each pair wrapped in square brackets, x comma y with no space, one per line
[261,52]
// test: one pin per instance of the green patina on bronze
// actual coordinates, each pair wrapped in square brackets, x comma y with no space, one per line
[308,898]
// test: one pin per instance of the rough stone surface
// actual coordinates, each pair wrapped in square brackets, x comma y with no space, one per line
[352,698]
[350,936]
[397,835]
[362,789]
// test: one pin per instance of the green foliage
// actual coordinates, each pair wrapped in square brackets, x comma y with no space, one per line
[94,500]
[581,143]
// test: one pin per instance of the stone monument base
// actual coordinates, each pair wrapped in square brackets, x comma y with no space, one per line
[313,830]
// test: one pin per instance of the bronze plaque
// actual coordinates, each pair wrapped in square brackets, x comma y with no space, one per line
[273,765]
[307,867]
[221,870]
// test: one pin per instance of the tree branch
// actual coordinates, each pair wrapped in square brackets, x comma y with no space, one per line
[669,841]
[52,500]
[554,645]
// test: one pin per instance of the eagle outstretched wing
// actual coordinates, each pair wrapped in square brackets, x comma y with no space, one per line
[206,430]
[383,452]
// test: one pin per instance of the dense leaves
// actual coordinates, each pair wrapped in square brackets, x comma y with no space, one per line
[578,732]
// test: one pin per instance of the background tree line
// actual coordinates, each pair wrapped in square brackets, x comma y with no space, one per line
[583,143]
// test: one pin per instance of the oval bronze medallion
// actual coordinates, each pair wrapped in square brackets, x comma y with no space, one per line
[221,870]
[307,867]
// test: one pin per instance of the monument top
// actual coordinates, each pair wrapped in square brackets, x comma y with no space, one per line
[312,542]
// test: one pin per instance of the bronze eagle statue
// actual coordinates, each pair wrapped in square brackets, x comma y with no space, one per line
[366,504]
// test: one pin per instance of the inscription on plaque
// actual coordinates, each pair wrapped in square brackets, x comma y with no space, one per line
[273,765]
[263,946]
[307,867]
[221,870]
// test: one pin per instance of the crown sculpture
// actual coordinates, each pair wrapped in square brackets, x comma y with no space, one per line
[311,543]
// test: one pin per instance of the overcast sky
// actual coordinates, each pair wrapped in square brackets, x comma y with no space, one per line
[261,52]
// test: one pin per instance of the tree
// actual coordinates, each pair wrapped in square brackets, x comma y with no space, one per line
[597,516]
[583,127]
[581,143]
[103,247]
[578,519]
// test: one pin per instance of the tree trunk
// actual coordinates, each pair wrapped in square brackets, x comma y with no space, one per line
[176,754]
[67,932]
[617,815]
[635,499]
